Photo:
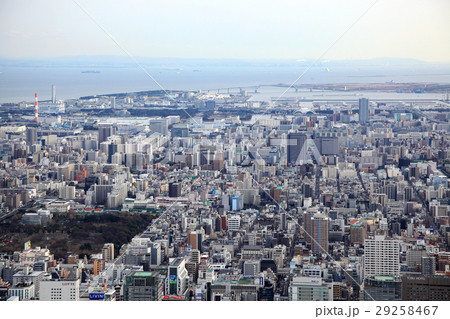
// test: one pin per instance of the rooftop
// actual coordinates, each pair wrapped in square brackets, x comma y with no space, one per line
[143,274]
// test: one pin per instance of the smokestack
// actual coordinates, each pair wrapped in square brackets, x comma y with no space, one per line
[36,115]
[53,94]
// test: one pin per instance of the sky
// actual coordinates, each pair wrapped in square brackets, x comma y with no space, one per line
[231,29]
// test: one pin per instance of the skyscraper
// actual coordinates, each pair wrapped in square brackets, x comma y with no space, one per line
[194,240]
[31,135]
[428,265]
[53,94]
[174,189]
[363,110]
[177,279]
[295,143]
[105,131]
[307,226]
[319,233]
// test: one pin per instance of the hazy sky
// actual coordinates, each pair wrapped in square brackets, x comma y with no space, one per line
[279,29]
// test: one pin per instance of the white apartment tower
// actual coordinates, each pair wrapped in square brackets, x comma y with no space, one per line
[381,256]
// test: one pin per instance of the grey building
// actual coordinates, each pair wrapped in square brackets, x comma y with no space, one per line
[251,268]
[143,286]
[383,288]
[31,135]
[428,265]
[295,143]
[159,126]
[363,110]
[105,131]
[327,145]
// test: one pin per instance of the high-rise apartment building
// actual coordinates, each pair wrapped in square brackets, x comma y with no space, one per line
[381,256]
[108,251]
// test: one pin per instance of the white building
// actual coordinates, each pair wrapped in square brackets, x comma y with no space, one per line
[60,290]
[52,108]
[29,276]
[381,256]
[178,279]
[67,192]
[234,223]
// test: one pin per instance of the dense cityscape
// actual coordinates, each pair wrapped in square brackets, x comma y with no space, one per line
[215,196]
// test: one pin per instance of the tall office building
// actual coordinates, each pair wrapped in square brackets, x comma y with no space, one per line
[363,110]
[295,143]
[391,191]
[177,280]
[381,256]
[194,239]
[155,253]
[319,233]
[307,226]
[283,221]
[53,94]
[31,135]
[105,131]
[428,266]
[174,189]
